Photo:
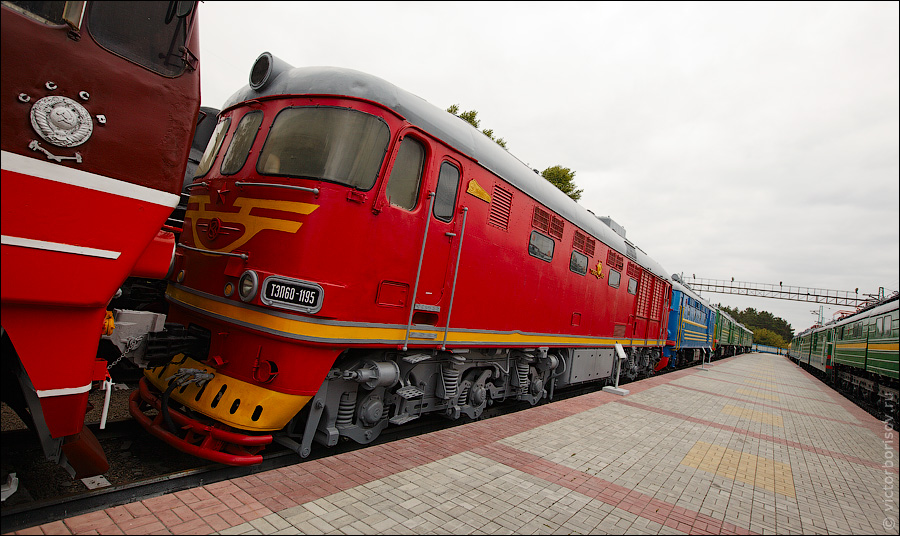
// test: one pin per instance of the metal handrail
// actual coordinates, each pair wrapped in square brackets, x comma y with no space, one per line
[462,234]
[241,255]
[412,305]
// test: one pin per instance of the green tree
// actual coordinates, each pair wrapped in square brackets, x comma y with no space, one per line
[471,117]
[563,178]
[754,319]
[768,338]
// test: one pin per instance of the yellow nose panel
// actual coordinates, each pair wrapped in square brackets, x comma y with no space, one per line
[228,400]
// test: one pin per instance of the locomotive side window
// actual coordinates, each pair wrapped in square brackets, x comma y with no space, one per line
[331,144]
[632,287]
[406,176]
[212,148]
[150,34]
[541,246]
[614,277]
[239,148]
[46,12]
[578,263]
[445,193]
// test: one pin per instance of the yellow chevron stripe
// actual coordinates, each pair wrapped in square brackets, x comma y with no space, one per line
[252,224]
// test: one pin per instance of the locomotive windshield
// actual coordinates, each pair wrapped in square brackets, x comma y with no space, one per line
[151,34]
[332,144]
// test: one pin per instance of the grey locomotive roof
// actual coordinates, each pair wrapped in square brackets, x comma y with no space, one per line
[445,126]
[690,292]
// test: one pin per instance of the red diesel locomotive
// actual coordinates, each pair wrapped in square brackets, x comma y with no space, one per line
[100,101]
[353,256]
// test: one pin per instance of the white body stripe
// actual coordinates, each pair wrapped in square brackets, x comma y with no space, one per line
[59,247]
[66,175]
[64,391]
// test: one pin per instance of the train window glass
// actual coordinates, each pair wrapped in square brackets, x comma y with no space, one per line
[614,277]
[541,246]
[578,263]
[150,34]
[212,148]
[879,326]
[445,193]
[406,176]
[46,12]
[632,287]
[239,148]
[331,144]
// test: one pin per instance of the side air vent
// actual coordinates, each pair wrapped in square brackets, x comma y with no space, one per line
[501,205]
[614,260]
[557,226]
[583,244]
[541,220]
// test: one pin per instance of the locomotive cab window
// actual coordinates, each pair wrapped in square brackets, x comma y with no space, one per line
[541,246]
[239,148]
[337,145]
[406,176]
[445,193]
[150,34]
[578,263]
[45,12]
[212,148]
[614,277]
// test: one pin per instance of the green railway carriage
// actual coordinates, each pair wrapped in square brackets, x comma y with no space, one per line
[745,339]
[731,338]
[868,340]
[859,354]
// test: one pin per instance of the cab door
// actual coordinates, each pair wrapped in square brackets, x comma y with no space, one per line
[416,206]
[432,296]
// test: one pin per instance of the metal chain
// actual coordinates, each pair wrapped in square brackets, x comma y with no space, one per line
[130,345]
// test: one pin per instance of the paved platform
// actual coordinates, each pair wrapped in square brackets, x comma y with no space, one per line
[753,445]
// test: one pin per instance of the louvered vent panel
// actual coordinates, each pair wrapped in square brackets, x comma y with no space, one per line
[656,306]
[645,288]
[634,271]
[541,220]
[501,204]
[557,225]
[578,241]
[589,244]
[614,260]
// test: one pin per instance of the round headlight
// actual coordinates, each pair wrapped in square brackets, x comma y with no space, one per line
[248,285]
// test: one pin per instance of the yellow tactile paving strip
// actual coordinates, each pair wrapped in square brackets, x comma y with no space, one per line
[747,468]
[753,415]
[764,396]
[760,383]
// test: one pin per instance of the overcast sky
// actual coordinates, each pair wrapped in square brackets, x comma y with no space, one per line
[757,141]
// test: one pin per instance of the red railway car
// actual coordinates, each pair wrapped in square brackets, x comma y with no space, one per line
[100,100]
[354,257]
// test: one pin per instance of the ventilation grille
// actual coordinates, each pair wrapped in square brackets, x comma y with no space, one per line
[656,306]
[584,244]
[644,293]
[634,271]
[614,260]
[541,220]
[501,204]
[557,225]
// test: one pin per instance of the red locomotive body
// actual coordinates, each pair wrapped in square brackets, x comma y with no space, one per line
[100,101]
[349,243]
